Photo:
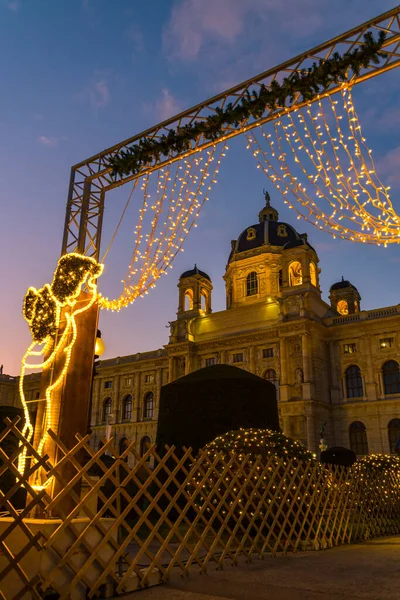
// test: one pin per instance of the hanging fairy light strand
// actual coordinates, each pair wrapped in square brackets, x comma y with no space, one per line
[316,155]
[181,189]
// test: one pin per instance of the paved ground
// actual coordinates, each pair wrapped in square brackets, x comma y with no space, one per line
[364,571]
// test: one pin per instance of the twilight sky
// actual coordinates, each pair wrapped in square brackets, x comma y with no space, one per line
[80,75]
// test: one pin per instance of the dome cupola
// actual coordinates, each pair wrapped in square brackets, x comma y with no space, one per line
[268,213]
[344,297]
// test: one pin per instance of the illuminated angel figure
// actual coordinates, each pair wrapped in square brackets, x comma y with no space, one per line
[43,309]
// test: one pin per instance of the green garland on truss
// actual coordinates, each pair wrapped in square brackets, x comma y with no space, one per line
[308,83]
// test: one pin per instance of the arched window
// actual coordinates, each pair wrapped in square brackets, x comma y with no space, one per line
[107,405]
[203,299]
[148,406]
[354,383]
[391,377]
[342,307]
[229,300]
[145,444]
[252,284]
[123,444]
[270,375]
[127,408]
[358,438]
[394,435]
[189,299]
[280,279]
[313,274]
[295,273]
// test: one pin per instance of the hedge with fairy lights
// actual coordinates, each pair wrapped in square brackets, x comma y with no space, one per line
[376,483]
[260,464]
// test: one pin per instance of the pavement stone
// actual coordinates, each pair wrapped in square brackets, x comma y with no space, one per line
[368,571]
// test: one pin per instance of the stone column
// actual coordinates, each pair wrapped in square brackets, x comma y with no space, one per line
[252,359]
[171,369]
[284,391]
[117,408]
[158,392]
[311,439]
[307,367]
[137,396]
[223,357]
[370,390]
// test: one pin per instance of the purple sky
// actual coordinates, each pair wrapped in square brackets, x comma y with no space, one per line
[80,75]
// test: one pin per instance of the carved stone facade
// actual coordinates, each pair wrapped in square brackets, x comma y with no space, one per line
[328,368]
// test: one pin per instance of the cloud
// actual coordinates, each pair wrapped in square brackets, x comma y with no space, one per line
[166,106]
[96,93]
[14,6]
[135,35]
[99,93]
[47,141]
[193,24]
[388,167]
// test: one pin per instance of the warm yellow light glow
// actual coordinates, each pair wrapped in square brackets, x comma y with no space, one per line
[315,154]
[100,347]
[181,191]
[59,347]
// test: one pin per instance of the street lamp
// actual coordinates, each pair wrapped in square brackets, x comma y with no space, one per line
[99,347]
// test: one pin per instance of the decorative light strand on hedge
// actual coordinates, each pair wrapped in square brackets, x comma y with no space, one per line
[306,83]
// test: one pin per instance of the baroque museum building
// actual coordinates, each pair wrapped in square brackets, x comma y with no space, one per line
[332,364]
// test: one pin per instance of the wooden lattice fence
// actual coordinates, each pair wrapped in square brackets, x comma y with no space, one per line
[101,528]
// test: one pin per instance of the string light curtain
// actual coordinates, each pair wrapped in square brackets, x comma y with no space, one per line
[172,199]
[319,161]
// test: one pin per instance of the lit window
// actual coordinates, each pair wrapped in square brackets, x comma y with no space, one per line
[386,342]
[268,353]
[391,377]
[145,444]
[237,357]
[252,284]
[270,375]
[107,405]
[189,299]
[127,408]
[149,378]
[313,274]
[251,234]
[108,385]
[358,438]
[394,435]
[210,361]
[342,307]
[295,273]
[349,348]
[148,406]
[354,383]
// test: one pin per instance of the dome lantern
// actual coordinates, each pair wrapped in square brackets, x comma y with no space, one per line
[268,213]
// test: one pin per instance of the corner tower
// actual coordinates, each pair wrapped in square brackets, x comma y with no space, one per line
[344,297]
[195,289]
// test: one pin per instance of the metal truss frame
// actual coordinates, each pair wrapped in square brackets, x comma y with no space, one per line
[91,179]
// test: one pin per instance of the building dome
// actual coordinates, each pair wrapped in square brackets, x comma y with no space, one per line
[267,232]
[194,271]
[340,285]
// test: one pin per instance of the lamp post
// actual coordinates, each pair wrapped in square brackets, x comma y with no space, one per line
[98,351]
